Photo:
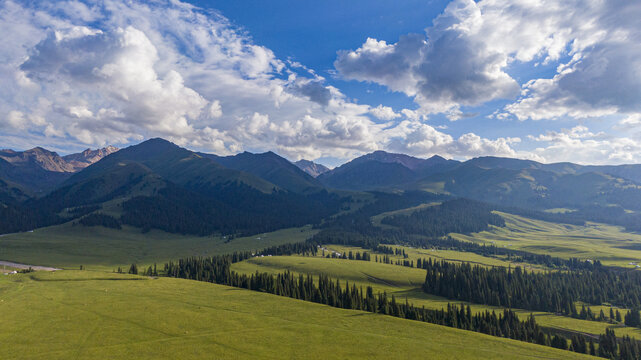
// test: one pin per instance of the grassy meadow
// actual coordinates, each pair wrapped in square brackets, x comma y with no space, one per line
[405,283]
[99,248]
[95,315]
[101,315]
[607,243]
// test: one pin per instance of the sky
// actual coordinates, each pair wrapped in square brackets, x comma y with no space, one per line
[546,80]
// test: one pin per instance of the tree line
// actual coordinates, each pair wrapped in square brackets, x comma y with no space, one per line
[459,216]
[555,291]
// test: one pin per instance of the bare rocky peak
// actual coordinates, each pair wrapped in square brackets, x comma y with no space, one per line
[311,167]
[51,161]
[409,162]
[83,159]
[37,156]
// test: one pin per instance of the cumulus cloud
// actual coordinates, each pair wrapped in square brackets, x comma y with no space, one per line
[113,71]
[447,67]
[424,140]
[384,113]
[464,58]
[579,144]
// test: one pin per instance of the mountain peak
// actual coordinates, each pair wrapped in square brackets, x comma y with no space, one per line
[408,161]
[311,167]
[37,157]
[87,157]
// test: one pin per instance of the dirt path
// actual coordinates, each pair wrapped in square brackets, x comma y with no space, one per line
[24,266]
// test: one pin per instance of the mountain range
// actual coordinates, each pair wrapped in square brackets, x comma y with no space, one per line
[38,170]
[157,184]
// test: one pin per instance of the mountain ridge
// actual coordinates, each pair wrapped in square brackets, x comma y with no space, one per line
[271,167]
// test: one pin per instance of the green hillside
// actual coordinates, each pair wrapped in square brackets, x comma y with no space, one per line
[175,164]
[74,315]
[610,244]
[405,283]
[68,246]
[272,168]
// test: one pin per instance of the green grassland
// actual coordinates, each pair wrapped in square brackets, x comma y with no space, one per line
[94,315]
[69,246]
[404,283]
[609,244]
[413,254]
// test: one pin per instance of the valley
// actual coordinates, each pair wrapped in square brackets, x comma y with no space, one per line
[208,237]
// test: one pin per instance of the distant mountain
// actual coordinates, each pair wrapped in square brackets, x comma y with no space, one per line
[311,168]
[32,178]
[83,159]
[178,165]
[379,170]
[39,170]
[533,188]
[157,184]
[37,157]
[630,172]
[272,168]
[51,161]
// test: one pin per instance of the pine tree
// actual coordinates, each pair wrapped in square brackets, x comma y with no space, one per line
[133,269]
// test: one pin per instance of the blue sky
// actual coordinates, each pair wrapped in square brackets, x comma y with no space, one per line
[327,80]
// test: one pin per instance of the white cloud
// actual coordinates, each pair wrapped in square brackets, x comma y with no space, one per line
[423,140]
[384,113]
[464,57]
[116,71]
[16,119]
[450,67]
[579,144]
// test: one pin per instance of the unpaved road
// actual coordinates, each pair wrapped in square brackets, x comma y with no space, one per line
[24,266]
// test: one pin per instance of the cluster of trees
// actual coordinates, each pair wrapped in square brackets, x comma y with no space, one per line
[238,210]
[459,216]
[586,313]
[365,256]
[551,291]
[612,348]
[16,217]
[632,318]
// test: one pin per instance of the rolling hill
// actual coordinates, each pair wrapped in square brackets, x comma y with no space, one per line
[271,167]
[93,315]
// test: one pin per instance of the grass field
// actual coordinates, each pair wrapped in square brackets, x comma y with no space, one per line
[67,246]
[437,254]
[404,283]
[609,244]
[93,315]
